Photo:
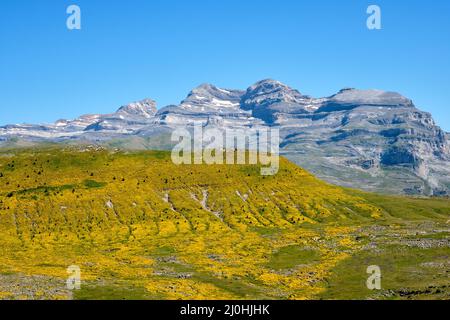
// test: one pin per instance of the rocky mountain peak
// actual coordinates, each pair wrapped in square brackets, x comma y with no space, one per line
[145,108]
[268,92]
[346,89]
[372,97]
[268,85]
[210,96]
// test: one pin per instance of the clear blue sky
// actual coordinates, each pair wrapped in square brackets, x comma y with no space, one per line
[130,50]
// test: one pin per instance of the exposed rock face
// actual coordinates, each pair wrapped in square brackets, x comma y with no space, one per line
[348,99]
[145,108]
[368,139]
[209,96]
[268,92]
[372,140]
[270,100]
[210,105]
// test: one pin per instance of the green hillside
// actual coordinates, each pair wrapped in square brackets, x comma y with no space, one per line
[140,227]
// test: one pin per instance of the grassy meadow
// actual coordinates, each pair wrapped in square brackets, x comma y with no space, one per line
[140,227]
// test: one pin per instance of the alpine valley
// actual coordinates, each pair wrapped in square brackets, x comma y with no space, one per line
[367,139]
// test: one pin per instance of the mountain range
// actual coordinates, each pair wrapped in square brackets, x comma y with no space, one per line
[368,139]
